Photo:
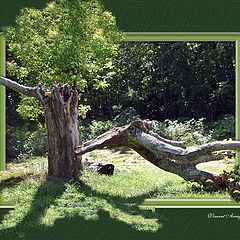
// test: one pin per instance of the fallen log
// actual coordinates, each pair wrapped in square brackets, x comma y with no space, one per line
[171,156]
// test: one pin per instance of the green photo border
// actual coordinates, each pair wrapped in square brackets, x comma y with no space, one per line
[168,36]
[3,204]
[2,107]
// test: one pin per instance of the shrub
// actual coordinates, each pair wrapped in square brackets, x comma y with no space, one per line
[15,139]
[125,116]
[224,128]
[97,127]
[192,131]
[21,142]
[94,129]
[229,181]
[36,142]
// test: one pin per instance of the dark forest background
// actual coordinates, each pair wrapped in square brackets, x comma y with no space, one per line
[171,80]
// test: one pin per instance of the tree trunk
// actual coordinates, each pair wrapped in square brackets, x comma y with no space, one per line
[60,107]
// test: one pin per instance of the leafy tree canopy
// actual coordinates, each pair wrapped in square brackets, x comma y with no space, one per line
[66,41]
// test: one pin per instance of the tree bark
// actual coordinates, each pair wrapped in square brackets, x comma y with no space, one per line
[60,107]
[166,154]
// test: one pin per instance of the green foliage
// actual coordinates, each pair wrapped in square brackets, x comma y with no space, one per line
[29,108]
[192,132]
[13,118]
[233,183]
[227,180]
[64,42]
[36,142]
[171,80]
[22,142]
[124,116]
[224,128]
[82,110]
[15,138]
[97,127]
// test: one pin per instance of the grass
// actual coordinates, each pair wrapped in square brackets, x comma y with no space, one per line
[41,203]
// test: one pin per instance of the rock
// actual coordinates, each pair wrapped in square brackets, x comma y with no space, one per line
[102,168]
[86,163]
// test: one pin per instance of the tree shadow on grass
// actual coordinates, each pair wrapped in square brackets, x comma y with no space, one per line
[129,205]
[75,226]
[43,199]
[10,182]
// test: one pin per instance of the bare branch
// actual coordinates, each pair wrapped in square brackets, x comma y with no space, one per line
[208,152]
[28,91]
[112,138]
[172,142]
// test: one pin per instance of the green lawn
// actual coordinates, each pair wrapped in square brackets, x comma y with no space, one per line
[41,203]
